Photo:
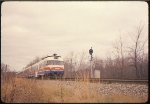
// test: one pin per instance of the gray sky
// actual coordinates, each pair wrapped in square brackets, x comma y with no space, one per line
[31,29]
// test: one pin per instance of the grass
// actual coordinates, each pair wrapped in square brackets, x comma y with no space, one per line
[21,90]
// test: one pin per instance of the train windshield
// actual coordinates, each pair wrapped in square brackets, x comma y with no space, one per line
[55,62]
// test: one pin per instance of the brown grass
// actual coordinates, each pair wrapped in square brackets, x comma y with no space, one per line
[19,90]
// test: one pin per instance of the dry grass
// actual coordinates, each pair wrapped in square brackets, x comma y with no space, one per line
[18,90]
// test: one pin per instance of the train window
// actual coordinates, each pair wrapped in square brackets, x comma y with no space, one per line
[54,62]
[45,63]
[50,62]
[34,67]
[61,63]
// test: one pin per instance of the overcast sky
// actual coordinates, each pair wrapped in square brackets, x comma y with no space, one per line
[31,29]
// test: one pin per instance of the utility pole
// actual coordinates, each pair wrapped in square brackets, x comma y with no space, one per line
[91,62]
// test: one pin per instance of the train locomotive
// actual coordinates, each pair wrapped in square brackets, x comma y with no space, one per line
[49,66]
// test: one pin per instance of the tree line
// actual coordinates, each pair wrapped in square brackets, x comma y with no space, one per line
[128,61]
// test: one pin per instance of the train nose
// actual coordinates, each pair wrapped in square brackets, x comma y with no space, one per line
[57,68]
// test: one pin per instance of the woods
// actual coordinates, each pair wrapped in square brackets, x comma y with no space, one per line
[128,61]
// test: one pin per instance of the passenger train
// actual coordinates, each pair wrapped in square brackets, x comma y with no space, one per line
[49,66]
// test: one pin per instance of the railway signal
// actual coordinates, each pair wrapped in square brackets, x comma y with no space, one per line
[91,64]
[91,51]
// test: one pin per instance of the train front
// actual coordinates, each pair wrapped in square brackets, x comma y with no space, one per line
[54,67]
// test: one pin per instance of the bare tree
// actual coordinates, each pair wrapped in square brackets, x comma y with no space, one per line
[70,64]
[119,55]
[137,49]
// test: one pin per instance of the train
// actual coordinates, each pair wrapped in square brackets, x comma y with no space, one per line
[49,66]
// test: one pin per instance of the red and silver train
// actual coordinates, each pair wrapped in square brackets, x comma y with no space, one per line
[49,66]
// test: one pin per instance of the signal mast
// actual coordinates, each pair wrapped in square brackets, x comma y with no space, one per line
[91,62]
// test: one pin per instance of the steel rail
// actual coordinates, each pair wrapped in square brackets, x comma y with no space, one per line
[96,80]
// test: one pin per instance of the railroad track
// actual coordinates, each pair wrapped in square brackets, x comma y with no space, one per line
[97,80]
[108,80]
